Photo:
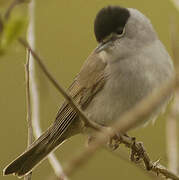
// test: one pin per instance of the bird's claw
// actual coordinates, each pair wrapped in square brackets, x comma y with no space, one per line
[136,155]
[114,142]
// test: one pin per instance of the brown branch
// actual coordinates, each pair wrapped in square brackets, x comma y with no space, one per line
[129,120]
[138,152]
[124,156]
[56,166]
[28,102]
[59,88]
[126,122]
[29,112]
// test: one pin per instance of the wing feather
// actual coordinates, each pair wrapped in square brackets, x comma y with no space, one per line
[86,85]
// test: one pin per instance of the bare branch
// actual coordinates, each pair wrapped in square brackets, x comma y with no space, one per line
[35,95]
[124,156]
[29,119]
[29,112]
[126,122]
[129,120]
[59,88]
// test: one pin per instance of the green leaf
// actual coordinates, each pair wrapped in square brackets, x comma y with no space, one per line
[13,28]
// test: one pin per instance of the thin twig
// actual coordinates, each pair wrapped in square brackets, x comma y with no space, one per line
[29,111]
[29,119]
[33,88]
[59,88]
[139,151]
[124,156]
[35,95]
[126,122]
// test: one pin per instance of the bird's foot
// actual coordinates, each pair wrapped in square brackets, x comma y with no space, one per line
[137,151]
[115,141]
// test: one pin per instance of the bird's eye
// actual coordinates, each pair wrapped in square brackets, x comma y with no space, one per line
[120,31]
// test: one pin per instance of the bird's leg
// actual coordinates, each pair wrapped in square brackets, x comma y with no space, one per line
[137,151]
[115,141]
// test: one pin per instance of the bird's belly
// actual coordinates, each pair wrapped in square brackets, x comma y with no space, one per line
[122,93]
[113,101]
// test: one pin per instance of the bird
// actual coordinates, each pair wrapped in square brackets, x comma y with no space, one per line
[129,63]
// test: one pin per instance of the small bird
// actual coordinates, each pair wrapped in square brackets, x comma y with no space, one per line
[129,63]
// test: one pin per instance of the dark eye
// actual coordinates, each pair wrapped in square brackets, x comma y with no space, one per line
[119,30]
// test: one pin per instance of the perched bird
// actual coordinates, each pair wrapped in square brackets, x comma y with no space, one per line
[127,65]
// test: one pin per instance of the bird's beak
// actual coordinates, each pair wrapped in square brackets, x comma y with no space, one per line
[102,46]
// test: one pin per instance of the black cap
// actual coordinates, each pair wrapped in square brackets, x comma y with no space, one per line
[110,19]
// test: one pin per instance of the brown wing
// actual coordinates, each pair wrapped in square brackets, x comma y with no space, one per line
[89,81]
[86,85]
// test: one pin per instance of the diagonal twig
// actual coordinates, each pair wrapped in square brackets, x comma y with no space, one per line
[126,122]
[59,88]
[35,95]
[124,156]
[129,120]
[29,112]
[33,88]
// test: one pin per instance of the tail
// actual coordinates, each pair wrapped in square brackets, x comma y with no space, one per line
[38,151]
[34,155]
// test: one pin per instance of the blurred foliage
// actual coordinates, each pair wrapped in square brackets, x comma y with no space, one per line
[11,30]
[3,2]
[13,25]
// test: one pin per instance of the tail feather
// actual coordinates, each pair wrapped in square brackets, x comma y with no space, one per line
[65,126]
[33,156]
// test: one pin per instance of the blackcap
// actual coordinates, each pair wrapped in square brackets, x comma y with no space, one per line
[129,63]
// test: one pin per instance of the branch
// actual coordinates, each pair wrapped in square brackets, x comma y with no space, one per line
[124,156]
[29,112]
[35,95]
[126,122]
[129,120]
[138,152]
[59,88]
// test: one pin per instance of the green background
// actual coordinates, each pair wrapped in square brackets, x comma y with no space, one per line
[64,38]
